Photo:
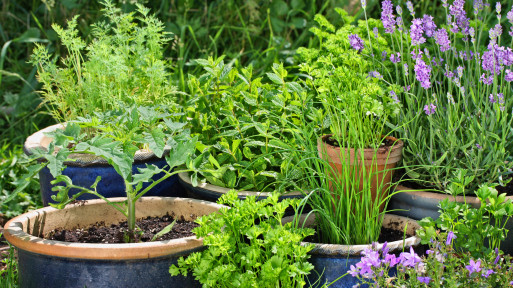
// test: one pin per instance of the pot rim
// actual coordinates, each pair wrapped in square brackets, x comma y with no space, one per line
[339,250]
[398,144]
[39,140]
[14,234]
[420,193]
[184,176]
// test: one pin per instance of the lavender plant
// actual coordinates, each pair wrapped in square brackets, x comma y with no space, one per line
[456,91]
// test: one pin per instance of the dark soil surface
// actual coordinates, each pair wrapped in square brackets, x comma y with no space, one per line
[150,226]
[333,142]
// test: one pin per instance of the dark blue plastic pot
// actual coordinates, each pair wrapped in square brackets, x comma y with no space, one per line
[331,261]
[46,263]
[418,204]
[84,173]
[209,192]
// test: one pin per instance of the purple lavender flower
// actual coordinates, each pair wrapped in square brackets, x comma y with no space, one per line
[383,56]
[399,10]
[498,256]
[498,8]
[495,32]
[509,75]
[409,259]
[478,146]
[424,279]
[409,5]
[399,22]
[375,74]
[472,33]
[500,96]
[395,58]
[394,96]
[450,237]
[423,73]
[375,31]
[429,109]
[459,71]
[442,39]
[405,66]
[510,20]
[478,6]
[387,16]
[407,88]
[356,42]
[429,25]
[444,3]
[473,267]
[457,10]
[416,32]
[487,273]
[415,55]
[492,98]
[486,80]
[364,3]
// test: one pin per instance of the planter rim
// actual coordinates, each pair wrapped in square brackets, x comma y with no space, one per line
[419,193]
[15,235]
[393,156]
[338,250]
[39,140]
[184,176]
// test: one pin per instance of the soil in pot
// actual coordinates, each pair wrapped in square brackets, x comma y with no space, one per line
[115,233]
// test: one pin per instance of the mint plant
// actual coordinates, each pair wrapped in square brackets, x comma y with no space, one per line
[242,124]
[474,227]
[122,65]
[117,136]
[249,246]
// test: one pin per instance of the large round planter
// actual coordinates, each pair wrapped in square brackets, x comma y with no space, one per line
[379,162]
[84,171]
[331,261]
[46,263]
[209,192]
[418,204]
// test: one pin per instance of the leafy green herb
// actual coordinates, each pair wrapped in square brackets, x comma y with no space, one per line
[248,246]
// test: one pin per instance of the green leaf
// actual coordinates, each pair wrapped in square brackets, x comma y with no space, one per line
[178,155]
[166,230]
[156,141]
[145,174]
[275,78]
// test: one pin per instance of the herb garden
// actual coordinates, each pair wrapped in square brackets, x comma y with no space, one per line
[256,143]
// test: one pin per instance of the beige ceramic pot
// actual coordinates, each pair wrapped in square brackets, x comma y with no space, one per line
[48,263]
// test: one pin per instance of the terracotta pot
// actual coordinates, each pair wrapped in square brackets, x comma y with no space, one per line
[48,263]
[418,204]
[332,260]
[379,162]
[86,168]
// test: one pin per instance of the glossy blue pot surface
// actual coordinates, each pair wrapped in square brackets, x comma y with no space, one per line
[42,271]
[111,184]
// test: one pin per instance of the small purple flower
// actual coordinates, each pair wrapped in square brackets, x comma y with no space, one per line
[391,260]
[395,58]
[450,235]
[364,3]
[473,267]
[387,16]
[356,42]
[409,5]
[459,71]
[457,10]
[407,87]
[495,32]
[472,33]
[478,6]
[409,259]
[487,273]
[429,109]
[424,279]
[478,146]
[383,56]
[492,99]
[394,96]
[508,76]
[416,32]
[498,8]
[498,256]
[423,73]
[375,31]
[429,25]
[442,39]
[486,80]
[500,96]
[510,20]
[375,74]
[415,55]
[398,9]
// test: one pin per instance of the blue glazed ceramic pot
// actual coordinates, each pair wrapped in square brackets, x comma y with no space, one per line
[331,261]
[46,263]
[85,170]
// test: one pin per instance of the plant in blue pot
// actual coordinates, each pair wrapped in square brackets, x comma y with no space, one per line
[122,65]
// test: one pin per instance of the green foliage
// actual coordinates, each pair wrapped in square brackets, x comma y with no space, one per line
[118,136]
[248,246]
[358,102]
[243,125]
[9,275]
[11,168]
[473,226]
[124,64]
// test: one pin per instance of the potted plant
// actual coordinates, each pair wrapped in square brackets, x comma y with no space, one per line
[117,134]
[244,140]
[348,200]
[456,81]
[123,65]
